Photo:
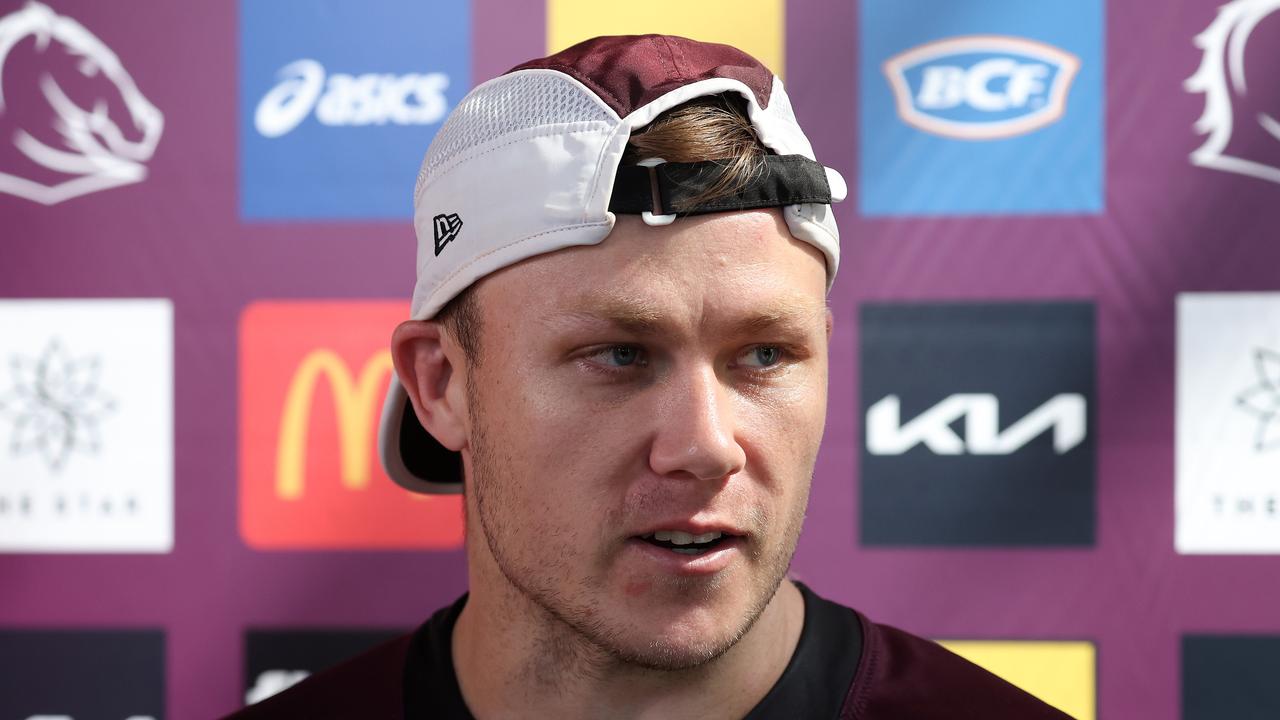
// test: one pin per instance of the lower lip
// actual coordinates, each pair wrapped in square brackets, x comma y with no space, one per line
[706,563]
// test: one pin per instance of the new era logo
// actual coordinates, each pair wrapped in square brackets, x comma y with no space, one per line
[447,227]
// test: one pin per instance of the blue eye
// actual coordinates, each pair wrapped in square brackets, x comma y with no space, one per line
[763,356]
[623,355]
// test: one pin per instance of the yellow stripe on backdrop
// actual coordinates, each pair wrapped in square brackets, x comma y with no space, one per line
[755,26]
[1062,674]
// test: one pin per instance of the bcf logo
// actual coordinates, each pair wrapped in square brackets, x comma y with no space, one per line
[991,111]
[981,87]
[312,379]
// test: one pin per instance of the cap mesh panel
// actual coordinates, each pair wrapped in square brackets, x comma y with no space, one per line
[509,104]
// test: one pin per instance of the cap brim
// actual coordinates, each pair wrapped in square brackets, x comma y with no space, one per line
[410,455]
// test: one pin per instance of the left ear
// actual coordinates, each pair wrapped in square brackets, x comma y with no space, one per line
[426,363]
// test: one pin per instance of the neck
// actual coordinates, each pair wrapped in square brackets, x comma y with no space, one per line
[514,659]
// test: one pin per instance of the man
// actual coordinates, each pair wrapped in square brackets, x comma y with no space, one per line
[619,350]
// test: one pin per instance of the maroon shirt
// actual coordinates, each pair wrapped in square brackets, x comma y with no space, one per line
[845,667]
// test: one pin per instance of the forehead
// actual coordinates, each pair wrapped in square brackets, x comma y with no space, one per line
[722,263]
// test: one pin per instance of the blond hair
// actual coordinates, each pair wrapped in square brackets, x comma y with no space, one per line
[709,128]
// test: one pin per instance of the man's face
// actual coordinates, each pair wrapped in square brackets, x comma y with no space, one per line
[669,379]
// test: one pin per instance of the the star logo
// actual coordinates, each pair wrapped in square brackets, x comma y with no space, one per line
[55,405]
[1263,400]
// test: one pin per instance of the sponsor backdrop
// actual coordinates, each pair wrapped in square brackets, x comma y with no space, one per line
[1054,431]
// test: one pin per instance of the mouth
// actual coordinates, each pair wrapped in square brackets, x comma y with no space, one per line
[685,543]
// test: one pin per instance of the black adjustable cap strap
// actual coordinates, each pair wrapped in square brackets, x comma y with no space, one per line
[784,180]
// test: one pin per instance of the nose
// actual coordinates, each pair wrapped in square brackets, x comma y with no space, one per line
[695,435]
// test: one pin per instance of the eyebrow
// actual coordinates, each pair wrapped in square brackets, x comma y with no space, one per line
[786,311]
[642,317]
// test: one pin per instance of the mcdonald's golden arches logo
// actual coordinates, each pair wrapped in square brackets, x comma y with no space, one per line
[312,378]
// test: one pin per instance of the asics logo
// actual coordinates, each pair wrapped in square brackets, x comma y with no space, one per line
[340,99]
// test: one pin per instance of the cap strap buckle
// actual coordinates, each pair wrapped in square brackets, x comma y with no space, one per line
[655,218]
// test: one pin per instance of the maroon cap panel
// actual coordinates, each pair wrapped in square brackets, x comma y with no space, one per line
[630,71]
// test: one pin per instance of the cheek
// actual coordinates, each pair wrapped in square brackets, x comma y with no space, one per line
[786,423]
[781,439]
[575,425]
[562,452]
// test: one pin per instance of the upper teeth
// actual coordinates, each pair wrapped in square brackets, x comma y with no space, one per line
[676,537]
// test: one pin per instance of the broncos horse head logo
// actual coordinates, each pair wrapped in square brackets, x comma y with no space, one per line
[84,149]
[1243,130]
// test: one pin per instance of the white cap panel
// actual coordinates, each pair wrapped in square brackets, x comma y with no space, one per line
[526,198]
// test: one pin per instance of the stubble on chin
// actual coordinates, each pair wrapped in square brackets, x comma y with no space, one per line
[573,636]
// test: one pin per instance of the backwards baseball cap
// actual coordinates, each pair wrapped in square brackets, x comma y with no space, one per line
[530,162]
